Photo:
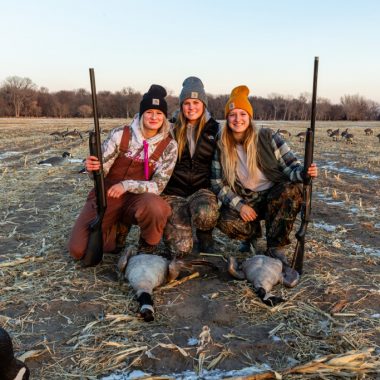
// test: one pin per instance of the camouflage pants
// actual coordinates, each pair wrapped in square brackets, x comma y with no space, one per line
[278,206]
[199,210]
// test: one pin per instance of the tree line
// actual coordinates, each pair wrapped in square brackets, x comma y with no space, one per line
[20,97]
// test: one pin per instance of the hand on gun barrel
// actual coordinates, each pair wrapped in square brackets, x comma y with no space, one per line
[313,170]
[92,164]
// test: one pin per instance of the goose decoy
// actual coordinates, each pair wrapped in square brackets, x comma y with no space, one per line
[264,273]
[56,134]
[378,136]
[349,138]
[284,133]
[145,272]
[55,161]
[72,134]
[368,131]
[10,367]
[301,136]
[335,134]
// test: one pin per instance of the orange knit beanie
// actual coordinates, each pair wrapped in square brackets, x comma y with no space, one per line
[239,99]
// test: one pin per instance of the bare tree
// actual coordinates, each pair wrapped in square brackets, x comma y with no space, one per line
[323,109]
[277,101]
[19,91]
[288,109]
[303,100]
[355,107]
[85,110]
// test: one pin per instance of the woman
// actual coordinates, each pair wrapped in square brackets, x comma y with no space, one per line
[188,191]
[137,162]
[256,176]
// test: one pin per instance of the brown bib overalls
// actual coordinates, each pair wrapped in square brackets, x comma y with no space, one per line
[149,211]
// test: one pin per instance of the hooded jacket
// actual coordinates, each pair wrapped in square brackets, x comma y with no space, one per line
[164,165]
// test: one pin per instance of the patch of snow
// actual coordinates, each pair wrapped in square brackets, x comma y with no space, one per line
[75,160]
[331,166]
[335,203]
[136,374]
[325,226]
[215,374]
[192,341]
[5,155]
[366,250]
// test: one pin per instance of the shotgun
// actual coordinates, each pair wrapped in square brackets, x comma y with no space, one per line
[297,262]
[94,251]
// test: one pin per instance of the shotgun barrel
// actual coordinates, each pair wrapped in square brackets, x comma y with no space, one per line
[298,257]
[94,251]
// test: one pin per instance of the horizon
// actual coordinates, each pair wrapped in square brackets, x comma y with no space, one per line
[268,47]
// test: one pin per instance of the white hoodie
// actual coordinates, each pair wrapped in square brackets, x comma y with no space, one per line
[165,164]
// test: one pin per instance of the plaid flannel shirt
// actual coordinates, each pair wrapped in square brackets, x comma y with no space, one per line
[289,163]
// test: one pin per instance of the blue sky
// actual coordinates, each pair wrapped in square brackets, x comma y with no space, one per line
[267,45]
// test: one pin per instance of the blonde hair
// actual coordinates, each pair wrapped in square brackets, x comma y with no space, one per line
[165,127]
[228,154]
[180,126]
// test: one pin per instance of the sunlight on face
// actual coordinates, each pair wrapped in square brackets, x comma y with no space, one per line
[238,120]
[152,121]
[192,109]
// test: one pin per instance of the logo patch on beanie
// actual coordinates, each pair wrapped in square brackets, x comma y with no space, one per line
[231,106]
[194,95]
[156,102]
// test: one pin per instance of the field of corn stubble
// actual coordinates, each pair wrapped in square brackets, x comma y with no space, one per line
[68,322]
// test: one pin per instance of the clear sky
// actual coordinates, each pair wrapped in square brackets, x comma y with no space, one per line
[269,45]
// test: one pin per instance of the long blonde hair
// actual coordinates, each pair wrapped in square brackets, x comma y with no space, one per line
[180,126]
[228,153]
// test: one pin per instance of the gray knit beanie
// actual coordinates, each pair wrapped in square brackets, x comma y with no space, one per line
[193,89]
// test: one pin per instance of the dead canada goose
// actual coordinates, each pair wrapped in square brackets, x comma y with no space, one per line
[329,131]
[56,161]
[264,272]
[145,272]
[368,132]
[10,367]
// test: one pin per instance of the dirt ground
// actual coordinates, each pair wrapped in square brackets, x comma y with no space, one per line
[70,322]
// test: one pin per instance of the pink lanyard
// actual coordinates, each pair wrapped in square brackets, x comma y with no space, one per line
[146,160]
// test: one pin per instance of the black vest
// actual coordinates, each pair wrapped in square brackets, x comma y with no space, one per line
[193,173]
